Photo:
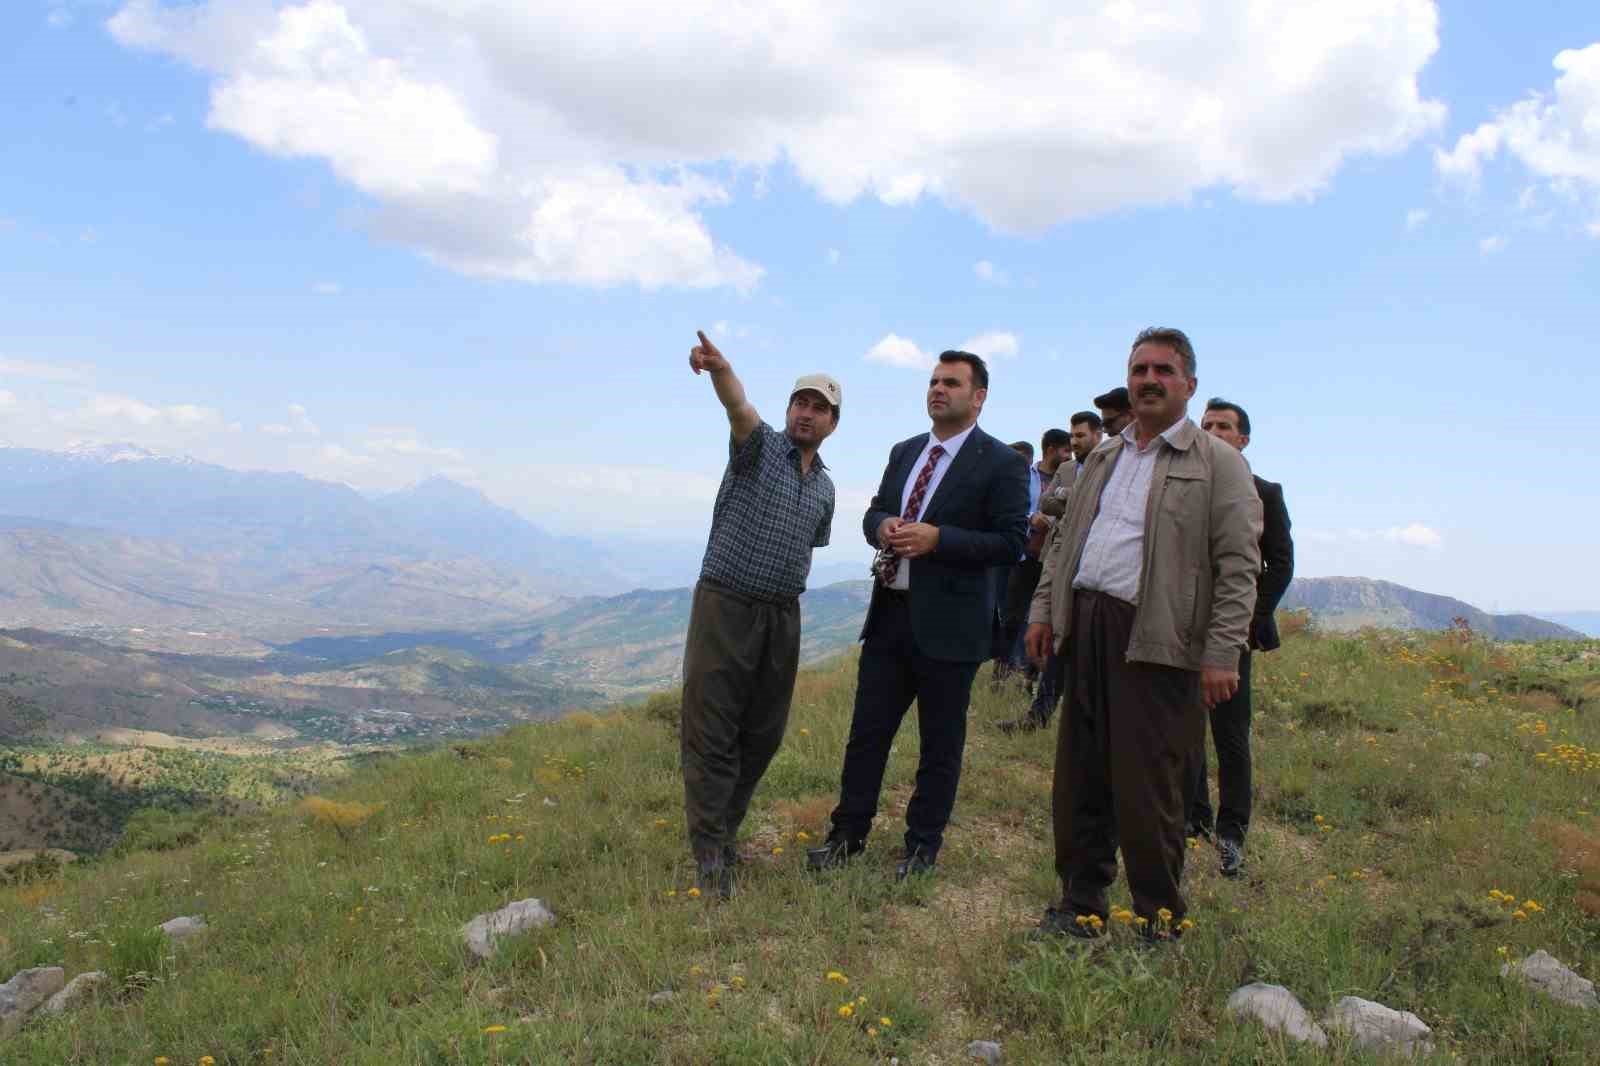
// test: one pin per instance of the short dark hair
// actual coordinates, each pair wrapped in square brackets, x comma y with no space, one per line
[1115,400]
[1217,403]
[1175,339]
[1023,447]
[1091,418]
[980,369]
[1055,438]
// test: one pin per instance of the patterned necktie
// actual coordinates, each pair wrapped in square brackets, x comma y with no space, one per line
[919,489]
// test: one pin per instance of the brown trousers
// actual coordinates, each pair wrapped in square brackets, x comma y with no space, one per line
[1128,731]
[739,662]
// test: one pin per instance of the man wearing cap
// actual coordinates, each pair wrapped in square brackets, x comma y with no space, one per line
[1116,410]
[952,505]
[774,506]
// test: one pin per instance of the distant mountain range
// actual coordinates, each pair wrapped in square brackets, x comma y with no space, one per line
[1586,622]
[1347,603]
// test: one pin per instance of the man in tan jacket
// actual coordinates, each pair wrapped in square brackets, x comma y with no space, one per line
[1148,592]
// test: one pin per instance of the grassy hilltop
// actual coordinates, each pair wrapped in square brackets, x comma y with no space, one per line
[1376,846]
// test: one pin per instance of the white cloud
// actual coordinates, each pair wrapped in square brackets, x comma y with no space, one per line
[833,257]
[1416,534]
[994,344]
[1554,135]
[327,288]
[895,350]
[988,272]
[1491,245]
[1416,217]
[299,423]
[8,399]
[404,442]
[29,368]
[583,143]
[112,411]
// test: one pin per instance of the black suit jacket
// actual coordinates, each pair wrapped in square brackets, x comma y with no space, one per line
[1277,565]
[981,509]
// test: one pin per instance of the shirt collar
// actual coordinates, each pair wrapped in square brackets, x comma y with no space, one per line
[794,452]
[1130,433]
[954,444]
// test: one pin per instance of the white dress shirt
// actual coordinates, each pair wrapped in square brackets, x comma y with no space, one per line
[902,575]
[1113,554]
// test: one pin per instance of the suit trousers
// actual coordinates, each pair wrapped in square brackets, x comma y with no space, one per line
[1127,737]
[891,675]
[739,662]
[1230,732]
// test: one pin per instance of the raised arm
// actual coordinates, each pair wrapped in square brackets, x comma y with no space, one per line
[742,416]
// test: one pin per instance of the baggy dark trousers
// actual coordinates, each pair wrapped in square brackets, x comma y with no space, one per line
[1230,732]
[739,662]
[1127,736]
[891,674]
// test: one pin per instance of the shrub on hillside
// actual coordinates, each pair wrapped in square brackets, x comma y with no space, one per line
[343,818]
[665,707]
[42,867]
[154,829]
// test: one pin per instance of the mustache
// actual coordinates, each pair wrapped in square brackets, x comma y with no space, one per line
[1152,390]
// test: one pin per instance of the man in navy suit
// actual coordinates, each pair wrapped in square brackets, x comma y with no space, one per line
[953,504]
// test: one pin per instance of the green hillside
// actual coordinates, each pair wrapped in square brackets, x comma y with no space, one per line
[1377,844]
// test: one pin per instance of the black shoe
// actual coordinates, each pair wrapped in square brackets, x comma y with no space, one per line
[715,877]
[1232,852]
[731,856]
[1026,724]
[1065,923]
[834,853]
[918,862]
[1197,829]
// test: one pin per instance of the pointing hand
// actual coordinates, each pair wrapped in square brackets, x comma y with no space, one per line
[705,356]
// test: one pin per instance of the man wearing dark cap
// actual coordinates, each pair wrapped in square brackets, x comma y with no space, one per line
[1230,720]
[774,506]
[1116,410]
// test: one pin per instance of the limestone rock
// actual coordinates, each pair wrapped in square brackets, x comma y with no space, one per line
[1376,1027]
[1544,972]
[483,931]
[1276,1008]
[25,992]
[78,989]
[181,929]
[663,998]
[984,1051]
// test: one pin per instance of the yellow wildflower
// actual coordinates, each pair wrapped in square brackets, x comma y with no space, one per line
[846,1011]
[661,823]
[1531,906]
[1503,951]
[861,1001]
[1186,925]
[886,1022]
[805,732]
[671,892]
[1164,914]
[736,982]
[838,978]
[492,1029]
[694,893]
[1520,915]
[207,1060]
[871,1031]
[1141,921]
[777,850]
[802,836]
[695,971]
[162,1060]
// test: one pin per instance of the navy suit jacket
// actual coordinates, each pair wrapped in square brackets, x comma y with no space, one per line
[981,509]
[1277,565]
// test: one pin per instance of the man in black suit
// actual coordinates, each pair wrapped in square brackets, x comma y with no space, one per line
[953,504]
[1230,720]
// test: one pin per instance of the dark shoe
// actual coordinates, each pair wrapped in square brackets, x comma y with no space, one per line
[1198,829]
[918,862]
[1232,852]
[1026,724]
[834,853]
[731,856]
[1065,923]
[715,877]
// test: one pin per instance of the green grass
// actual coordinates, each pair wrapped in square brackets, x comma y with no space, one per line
[1373,853]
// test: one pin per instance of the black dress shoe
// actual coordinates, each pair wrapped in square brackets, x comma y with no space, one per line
[731,856]
[918,862]
[715,877]
[834,853]
[1026,724]
[1065,923]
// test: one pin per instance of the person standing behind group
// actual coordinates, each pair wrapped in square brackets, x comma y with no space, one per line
[775,504]
[1085,438]
[1055,450]
[1230,720]
[1003,648]
[1148,592]
[952,505]
[1116,410]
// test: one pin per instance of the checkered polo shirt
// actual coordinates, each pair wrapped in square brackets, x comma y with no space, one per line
[768,516]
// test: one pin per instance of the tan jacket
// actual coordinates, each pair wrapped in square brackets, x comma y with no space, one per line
[1197,588]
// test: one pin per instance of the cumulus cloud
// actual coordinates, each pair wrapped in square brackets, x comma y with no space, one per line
[1554,136]
[1414,535]
[895,350]
[299,423]
[589,143]
[111,410]
[405,442]
[995,344]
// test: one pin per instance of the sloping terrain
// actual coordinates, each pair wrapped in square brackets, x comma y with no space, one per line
[1349,603]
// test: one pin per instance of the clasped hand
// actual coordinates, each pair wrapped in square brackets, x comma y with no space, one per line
[908,540]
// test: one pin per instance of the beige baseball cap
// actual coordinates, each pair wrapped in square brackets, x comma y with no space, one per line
[820,383]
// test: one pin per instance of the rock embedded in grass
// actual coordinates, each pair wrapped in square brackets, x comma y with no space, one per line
[78,989]
[485,931]
[1376,1027]
[25,993]
[1544,972]
[985,1051]
[182,928]
[1276,1008]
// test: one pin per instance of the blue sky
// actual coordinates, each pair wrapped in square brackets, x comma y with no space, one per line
[372,242]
